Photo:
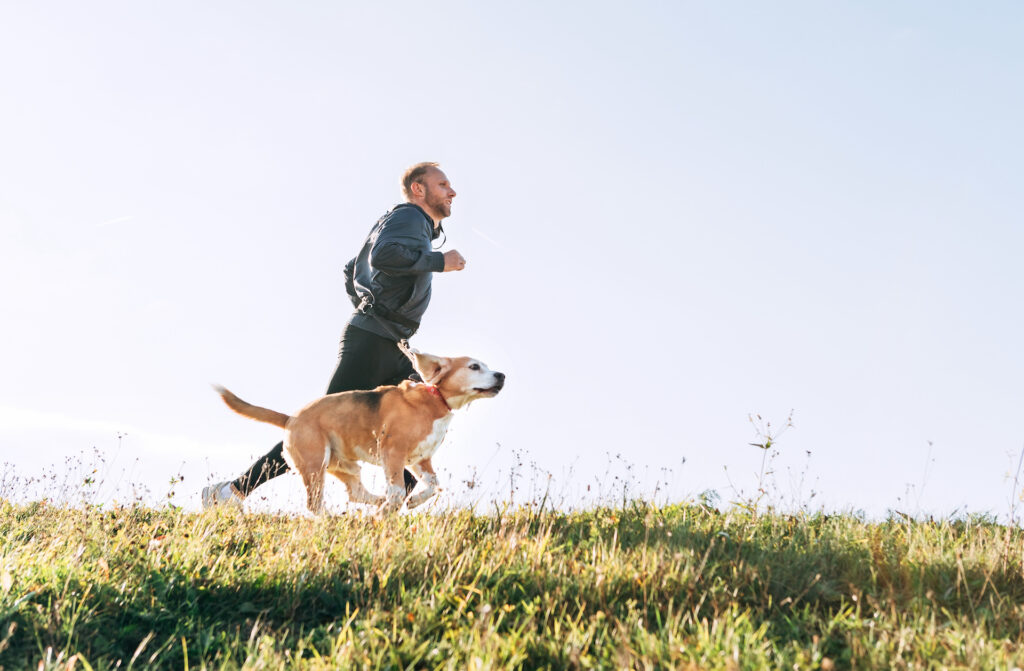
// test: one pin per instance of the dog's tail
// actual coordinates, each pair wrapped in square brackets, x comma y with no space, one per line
[253,411]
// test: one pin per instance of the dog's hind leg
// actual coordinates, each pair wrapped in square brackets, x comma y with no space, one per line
[310,463]
[314,481]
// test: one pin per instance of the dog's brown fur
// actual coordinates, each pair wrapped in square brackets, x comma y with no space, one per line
[391,426]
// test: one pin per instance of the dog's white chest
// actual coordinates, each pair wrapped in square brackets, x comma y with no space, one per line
[429,445]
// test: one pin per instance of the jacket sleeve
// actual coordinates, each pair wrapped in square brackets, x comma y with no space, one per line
[403,248]
[350,286]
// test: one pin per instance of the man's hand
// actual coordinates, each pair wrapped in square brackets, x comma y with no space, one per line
[453,261]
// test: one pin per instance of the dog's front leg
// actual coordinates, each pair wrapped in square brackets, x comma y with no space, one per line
[425,472]
[394,466]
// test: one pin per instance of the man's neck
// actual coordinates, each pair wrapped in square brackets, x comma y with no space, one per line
[435,220]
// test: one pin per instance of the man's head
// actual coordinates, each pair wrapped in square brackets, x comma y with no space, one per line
[424,184]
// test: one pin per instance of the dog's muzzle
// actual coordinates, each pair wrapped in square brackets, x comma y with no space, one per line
[499,382]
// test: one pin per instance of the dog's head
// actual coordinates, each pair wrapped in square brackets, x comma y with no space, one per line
[460,380]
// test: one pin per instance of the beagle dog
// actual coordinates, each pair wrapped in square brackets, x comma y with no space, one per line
[392,426]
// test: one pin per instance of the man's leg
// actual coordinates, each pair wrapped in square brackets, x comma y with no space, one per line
[366,361]
[233,492]
[266,468]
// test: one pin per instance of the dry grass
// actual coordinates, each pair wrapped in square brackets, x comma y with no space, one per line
[636,586]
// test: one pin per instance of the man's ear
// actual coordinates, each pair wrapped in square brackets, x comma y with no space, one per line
[422,189]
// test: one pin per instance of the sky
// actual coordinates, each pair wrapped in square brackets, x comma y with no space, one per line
[677,218]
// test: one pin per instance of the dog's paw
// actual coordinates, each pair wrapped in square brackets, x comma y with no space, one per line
[420,499]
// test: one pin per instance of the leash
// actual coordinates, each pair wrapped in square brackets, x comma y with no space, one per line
[366,307]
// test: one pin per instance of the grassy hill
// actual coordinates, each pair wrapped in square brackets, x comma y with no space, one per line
[676,587]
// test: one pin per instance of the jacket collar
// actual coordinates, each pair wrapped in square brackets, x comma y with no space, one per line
[435,227]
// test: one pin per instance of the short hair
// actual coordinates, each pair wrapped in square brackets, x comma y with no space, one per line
[414,174]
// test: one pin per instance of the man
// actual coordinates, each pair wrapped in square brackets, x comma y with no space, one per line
[389,285]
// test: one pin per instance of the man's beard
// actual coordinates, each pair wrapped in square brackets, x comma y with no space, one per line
[436,203]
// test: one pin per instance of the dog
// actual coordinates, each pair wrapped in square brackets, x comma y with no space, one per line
[392,426]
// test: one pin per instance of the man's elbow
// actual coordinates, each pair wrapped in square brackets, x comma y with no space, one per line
[388,260]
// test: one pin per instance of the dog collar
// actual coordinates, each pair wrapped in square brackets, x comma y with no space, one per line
[437,392]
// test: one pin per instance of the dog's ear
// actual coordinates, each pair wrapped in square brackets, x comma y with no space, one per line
[431,368]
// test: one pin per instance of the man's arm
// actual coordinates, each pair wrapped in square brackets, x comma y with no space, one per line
[350,285]
[399,249]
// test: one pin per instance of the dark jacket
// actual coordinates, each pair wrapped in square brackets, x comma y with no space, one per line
[389,281]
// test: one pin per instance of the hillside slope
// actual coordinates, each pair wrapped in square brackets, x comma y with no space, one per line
[633,587]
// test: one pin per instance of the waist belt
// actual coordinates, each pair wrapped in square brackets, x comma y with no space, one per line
[390,315]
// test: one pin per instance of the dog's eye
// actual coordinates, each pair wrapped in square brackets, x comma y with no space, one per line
[474,366]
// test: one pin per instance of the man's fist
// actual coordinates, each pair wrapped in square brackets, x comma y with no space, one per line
[453,261]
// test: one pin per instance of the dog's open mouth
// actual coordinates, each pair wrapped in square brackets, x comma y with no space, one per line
[489,390]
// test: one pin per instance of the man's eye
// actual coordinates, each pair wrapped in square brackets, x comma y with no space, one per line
[474,366]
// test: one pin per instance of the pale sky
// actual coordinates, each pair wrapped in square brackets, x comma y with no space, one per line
[675,215]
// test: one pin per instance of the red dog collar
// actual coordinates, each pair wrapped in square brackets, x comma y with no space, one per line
[437,392]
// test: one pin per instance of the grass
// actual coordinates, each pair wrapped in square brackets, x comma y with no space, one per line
[636,586]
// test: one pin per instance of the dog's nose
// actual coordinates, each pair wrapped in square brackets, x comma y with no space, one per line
[500,377]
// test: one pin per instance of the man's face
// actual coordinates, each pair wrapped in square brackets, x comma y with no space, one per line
[438,194]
